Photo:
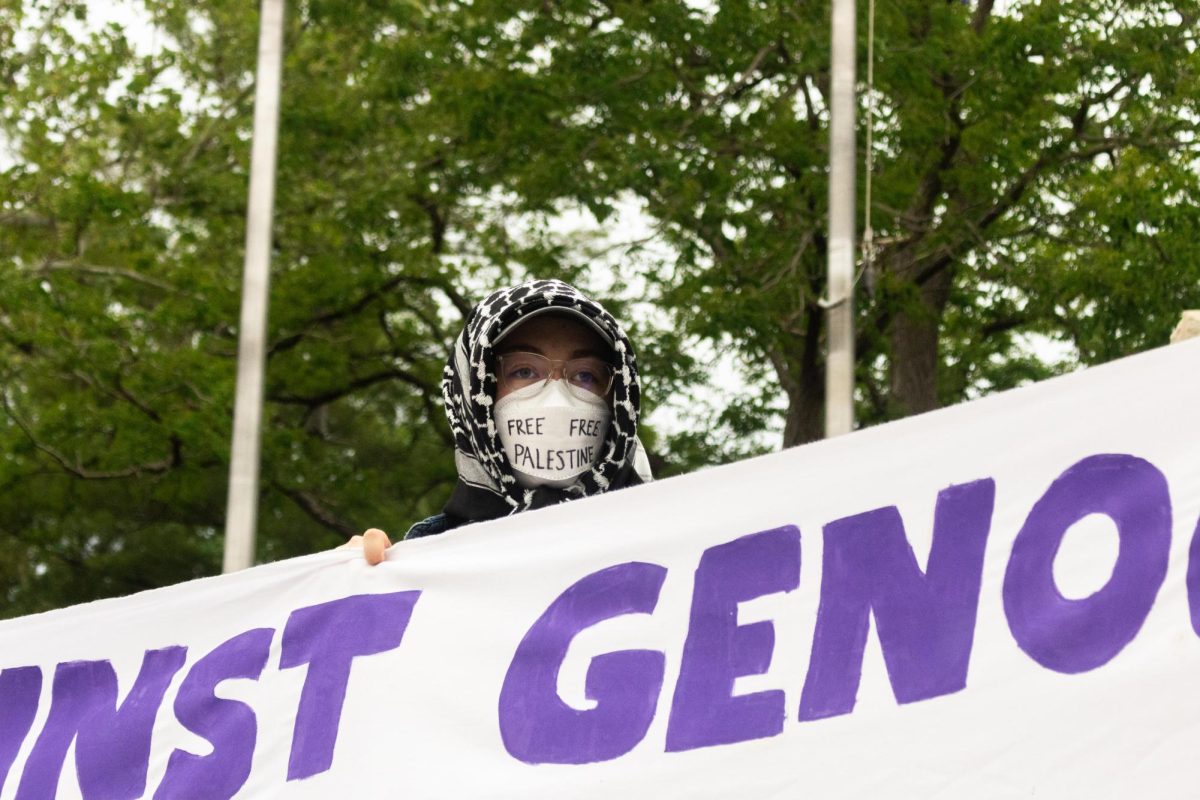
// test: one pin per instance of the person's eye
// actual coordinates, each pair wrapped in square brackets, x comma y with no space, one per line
[523,368]
[589,375]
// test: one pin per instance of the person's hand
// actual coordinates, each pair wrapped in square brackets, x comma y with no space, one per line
[1188,327]
[373,542]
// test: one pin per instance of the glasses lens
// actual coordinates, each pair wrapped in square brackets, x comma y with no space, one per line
[589,373]
[518,370]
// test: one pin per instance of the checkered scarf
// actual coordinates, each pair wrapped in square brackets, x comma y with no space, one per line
[486,486]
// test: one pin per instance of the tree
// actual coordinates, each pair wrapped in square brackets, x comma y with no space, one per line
[1000,137]
[120,246]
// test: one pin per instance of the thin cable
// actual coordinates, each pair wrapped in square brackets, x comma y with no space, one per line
[868,238]
[867,268]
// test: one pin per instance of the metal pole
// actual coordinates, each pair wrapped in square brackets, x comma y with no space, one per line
[242,509]
[839,365]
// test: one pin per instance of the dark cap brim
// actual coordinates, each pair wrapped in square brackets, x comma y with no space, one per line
[566,311]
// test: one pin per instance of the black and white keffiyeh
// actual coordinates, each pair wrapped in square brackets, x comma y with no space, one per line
[486,486]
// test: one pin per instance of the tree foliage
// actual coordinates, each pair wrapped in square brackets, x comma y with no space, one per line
[122,227]
[1035,180]
[1015,147]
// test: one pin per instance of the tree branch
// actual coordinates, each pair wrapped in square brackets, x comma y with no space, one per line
[745,81]
[119,393]
[38,45]
[205,136]
[173,459]
[22,219]
[1003,325]
[983,11]
[437,221]
[315,509]
[329,396]
[108,272]
[329,317]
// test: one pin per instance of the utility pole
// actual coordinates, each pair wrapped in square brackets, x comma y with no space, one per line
[839,362]
[242,509]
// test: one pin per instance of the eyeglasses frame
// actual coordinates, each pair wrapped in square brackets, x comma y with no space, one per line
[556,364]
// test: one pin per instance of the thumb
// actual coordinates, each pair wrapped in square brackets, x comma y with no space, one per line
[375,542]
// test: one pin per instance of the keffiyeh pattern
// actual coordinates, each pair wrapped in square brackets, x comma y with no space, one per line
[469,385]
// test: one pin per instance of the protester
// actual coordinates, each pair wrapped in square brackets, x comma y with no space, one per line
[542,395]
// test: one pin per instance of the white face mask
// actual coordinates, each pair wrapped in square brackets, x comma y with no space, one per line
[551,432]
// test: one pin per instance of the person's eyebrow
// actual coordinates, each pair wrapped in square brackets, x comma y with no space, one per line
[518,347]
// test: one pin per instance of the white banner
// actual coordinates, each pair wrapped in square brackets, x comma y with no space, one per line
[993,600]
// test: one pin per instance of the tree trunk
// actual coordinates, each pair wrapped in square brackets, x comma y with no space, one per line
[805,421]
[913,334]
[804,383]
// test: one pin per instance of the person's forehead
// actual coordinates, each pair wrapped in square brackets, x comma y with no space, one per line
[556,331]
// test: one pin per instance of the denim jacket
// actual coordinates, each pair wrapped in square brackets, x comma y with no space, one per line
[438,523]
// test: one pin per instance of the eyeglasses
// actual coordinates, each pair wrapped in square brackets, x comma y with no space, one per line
[519,370]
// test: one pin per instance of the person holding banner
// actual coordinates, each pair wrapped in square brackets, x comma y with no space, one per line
[541,391]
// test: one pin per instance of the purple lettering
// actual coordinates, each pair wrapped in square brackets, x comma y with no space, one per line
[228,724]
[536,725]
[20,688]
[1078,635]
[926,622]
[1193,581]
[112,747]
[328,637]
[704,710]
